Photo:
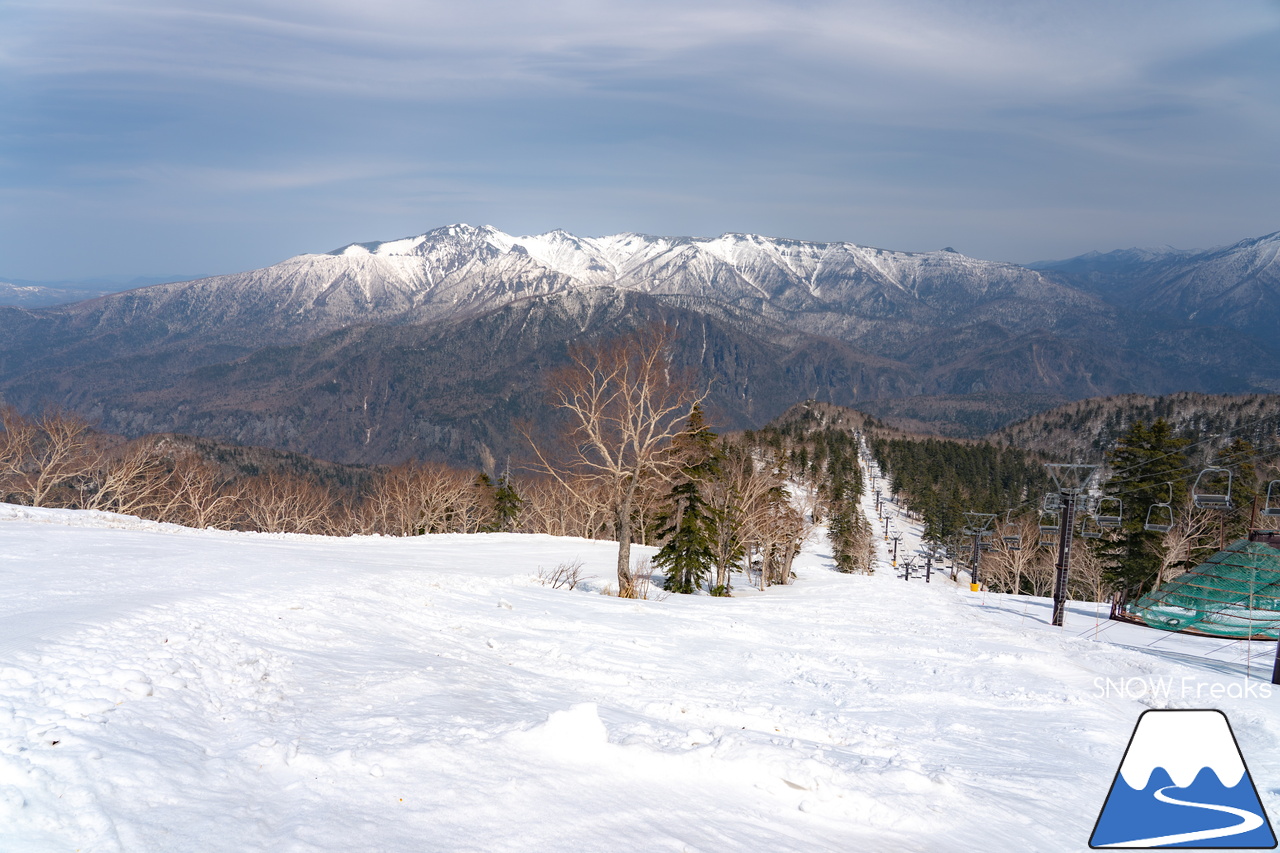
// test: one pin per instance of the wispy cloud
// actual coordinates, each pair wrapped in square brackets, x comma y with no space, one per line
[388,48]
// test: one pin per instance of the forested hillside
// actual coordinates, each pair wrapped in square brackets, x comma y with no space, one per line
[1085,430]
[941,479]
[817,445]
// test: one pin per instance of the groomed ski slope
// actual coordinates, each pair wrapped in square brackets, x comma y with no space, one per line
[164,689]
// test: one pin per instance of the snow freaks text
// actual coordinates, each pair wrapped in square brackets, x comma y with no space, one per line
[1187,687]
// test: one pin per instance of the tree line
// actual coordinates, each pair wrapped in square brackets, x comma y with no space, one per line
[940,479]
[1154,471]
[1149,470]
[633,461]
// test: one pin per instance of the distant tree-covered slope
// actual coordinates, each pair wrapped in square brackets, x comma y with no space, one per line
[1086,429]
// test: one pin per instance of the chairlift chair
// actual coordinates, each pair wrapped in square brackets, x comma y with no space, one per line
[1160,515]
[1159,518]
[1206,495]
[1012,535]
[1272,506]
[1109,512]
[1090,529]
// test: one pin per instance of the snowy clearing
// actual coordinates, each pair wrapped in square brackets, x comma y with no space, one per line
[165,689]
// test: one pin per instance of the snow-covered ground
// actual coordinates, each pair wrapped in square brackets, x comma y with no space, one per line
[164,689]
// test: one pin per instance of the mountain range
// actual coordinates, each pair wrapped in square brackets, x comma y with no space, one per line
[432,346]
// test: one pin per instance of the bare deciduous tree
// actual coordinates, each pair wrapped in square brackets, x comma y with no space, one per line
[1192,529]
[132,482]
[194,495]
[40,455]
[1086,581]
[625,405]
[17,447]
[565,507]
[770,527]
[418,498]
[1007,567]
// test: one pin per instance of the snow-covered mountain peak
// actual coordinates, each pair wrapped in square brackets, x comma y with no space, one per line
[459,234]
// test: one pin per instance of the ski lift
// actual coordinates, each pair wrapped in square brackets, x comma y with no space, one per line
[1109,511]
[1160,515]
[1207,492]
[1090,529]
[1049,522]
[1052,502]
[1012,537]
[1159,518]
[1272,506]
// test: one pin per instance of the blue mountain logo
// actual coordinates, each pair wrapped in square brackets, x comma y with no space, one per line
[1183,783]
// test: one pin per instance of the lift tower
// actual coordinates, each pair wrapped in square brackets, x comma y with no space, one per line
[1071,481]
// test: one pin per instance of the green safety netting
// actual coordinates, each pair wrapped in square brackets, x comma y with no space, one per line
[1234,593]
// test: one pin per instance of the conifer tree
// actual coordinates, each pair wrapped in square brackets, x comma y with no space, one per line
[686,525]
[506,506]
[1149,460]
[1237,457]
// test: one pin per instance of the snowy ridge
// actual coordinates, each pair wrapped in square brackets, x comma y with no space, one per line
[871,298]
[82,518]
[728,267]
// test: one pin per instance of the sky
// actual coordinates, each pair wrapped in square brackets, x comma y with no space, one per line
[152,137]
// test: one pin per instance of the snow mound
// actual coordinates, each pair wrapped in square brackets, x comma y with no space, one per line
[82,518]
[575,734]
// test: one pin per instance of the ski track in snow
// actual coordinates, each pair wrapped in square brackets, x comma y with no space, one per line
[166,689]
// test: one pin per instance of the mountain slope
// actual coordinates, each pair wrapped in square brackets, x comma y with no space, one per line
[1237,286]
[868,297]
[790,320]
[1086,429]
[454,389]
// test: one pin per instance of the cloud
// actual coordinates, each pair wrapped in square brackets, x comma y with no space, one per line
[224,181]
[416,50]
[796,117]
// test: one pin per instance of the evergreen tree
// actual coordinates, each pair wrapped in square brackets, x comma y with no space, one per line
[506,506]
[1237,457]
[1148,461]
[686,524]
